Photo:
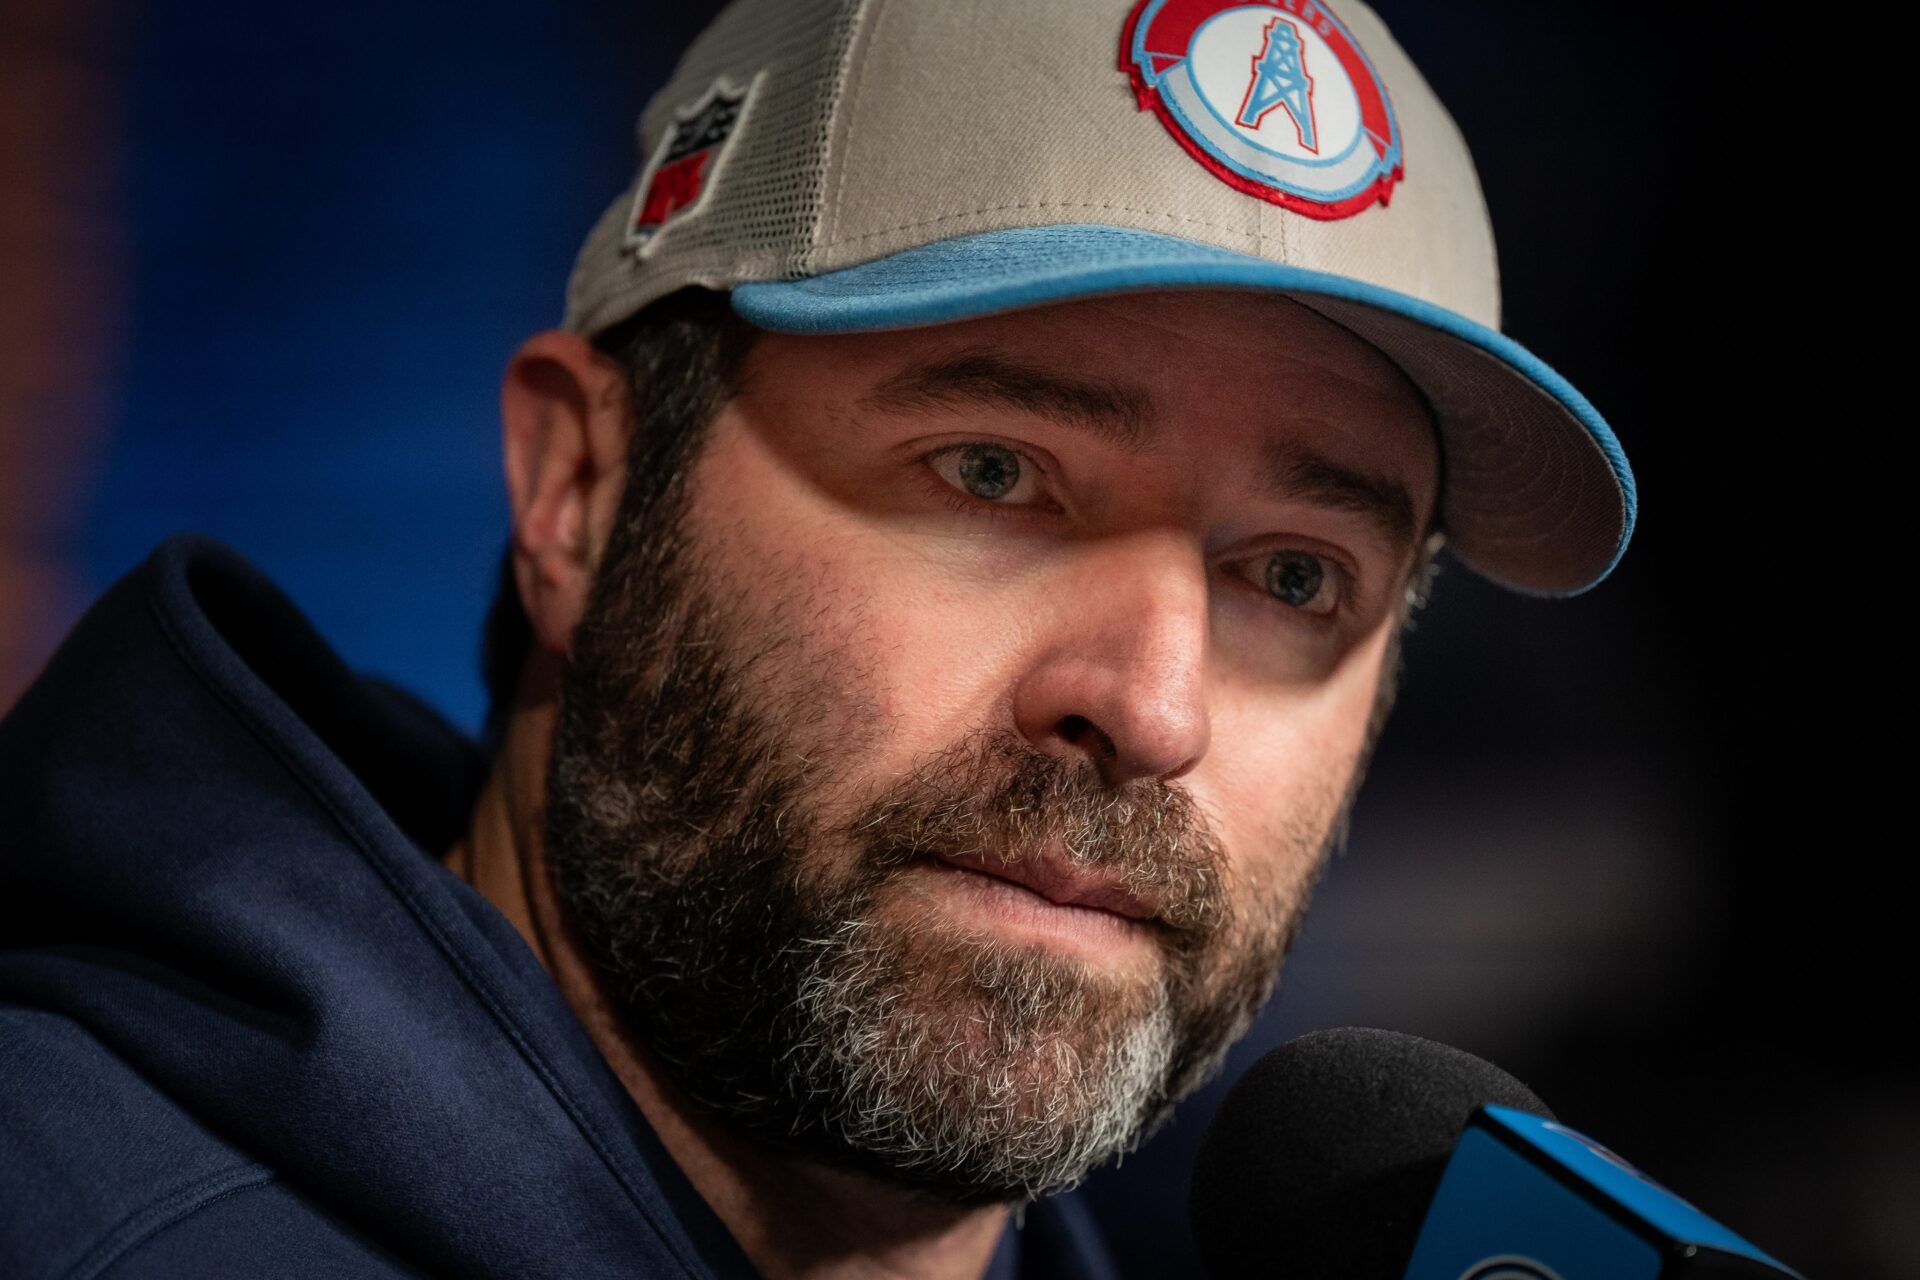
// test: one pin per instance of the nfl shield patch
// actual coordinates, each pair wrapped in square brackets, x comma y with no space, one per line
[682,167]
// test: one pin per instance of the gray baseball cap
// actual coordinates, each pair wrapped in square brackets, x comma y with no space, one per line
[844,166]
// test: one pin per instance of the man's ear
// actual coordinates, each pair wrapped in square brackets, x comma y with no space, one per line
[565,411]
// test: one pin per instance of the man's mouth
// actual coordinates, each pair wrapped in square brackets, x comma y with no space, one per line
[1052,876]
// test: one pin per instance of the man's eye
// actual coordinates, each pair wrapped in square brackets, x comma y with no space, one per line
[1300,579]
[995,474]
[989,472]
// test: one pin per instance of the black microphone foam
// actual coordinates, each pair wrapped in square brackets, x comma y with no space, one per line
[1323,1157]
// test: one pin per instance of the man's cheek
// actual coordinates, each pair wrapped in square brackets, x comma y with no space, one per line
[935,668]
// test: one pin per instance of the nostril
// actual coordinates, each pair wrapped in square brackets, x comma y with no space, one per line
[1086,735]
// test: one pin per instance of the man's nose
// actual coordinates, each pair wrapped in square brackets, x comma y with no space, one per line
[1119,673]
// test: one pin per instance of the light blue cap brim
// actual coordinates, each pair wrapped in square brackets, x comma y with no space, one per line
[1539,494]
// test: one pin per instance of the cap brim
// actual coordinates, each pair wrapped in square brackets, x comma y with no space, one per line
[1539,497]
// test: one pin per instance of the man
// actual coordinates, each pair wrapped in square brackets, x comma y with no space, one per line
[961,540]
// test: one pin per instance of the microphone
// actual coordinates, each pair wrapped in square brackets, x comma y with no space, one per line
[1358,1154]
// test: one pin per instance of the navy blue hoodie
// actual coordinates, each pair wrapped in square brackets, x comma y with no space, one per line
[251,1026]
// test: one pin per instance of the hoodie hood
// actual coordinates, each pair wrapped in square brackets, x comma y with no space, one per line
[233,962]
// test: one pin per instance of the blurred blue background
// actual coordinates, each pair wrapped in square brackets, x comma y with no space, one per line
[343,221]
[266,265]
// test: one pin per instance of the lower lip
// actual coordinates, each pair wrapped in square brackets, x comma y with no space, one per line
[1010,908]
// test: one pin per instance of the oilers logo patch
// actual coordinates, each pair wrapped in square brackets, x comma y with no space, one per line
[682,167]
[1275,98]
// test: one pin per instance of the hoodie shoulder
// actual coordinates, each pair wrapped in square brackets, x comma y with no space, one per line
[252,1024]
[103,1175]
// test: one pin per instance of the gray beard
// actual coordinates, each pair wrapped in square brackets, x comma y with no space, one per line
[686,848]
[1011,1107]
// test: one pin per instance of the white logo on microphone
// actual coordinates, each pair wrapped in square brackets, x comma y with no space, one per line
[1509,1266]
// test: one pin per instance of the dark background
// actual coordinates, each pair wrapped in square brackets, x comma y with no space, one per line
[264,266]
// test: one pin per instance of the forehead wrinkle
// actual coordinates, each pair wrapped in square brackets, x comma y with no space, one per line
[1118,413]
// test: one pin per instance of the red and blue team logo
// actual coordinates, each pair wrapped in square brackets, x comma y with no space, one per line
[1274,97]
[682,166]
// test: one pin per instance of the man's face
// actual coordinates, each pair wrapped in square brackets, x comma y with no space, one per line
[944,765]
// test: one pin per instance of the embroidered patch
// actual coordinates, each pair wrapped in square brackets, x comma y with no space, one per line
[681,169]
[1275,98]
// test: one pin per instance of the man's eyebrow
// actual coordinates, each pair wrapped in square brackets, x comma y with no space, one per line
[1118,414]
[1295,471]
[1123,416]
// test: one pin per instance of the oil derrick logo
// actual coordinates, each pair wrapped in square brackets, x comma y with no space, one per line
[1280,81]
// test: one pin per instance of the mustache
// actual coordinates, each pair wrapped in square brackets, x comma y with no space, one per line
[997,796]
